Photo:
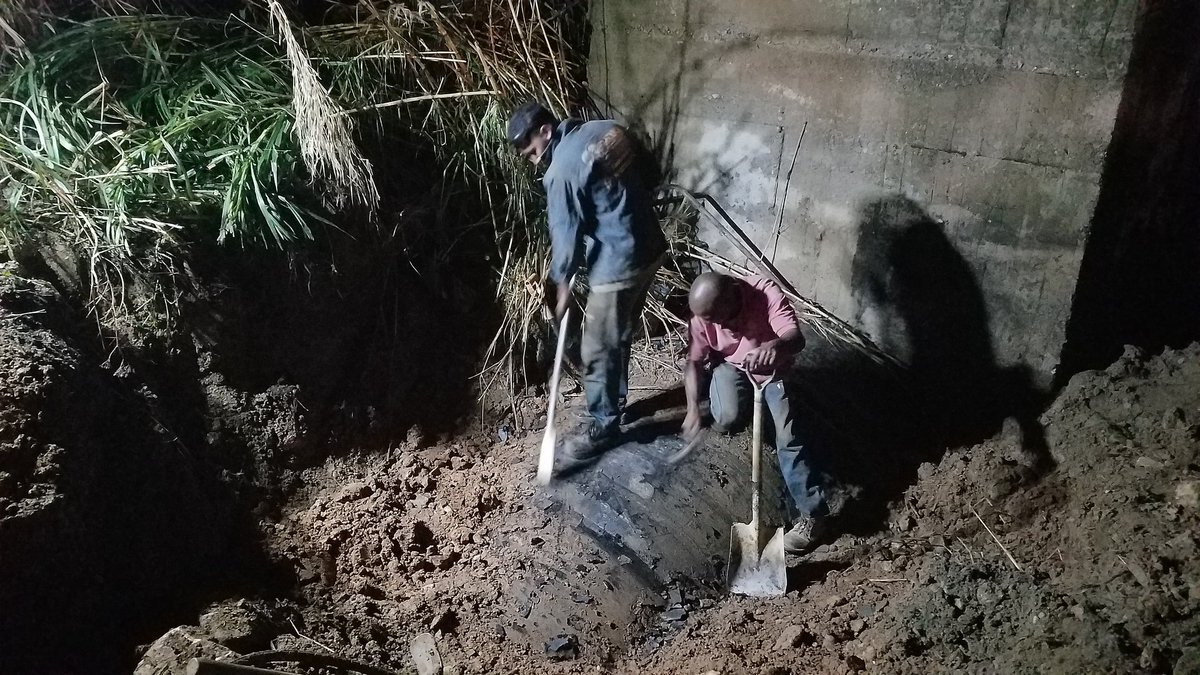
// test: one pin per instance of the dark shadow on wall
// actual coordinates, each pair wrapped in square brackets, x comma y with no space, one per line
[931,312]
[1139,282]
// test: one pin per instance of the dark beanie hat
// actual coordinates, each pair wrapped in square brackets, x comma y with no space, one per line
[527,117]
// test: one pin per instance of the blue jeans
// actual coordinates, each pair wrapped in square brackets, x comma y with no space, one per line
[610,320]
[731,399]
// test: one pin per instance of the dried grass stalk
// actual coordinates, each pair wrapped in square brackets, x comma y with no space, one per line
[323,130]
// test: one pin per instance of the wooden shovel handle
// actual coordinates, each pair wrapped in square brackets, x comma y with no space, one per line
[756,455]
[550,435]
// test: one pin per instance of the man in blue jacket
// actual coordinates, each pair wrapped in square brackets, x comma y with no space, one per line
[601,217]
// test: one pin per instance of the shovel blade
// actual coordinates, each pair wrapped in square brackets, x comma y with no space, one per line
[546,456]
[755,573]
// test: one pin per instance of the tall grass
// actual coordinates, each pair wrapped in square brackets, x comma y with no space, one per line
[128,137]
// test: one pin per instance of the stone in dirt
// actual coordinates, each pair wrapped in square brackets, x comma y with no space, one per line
[562,647]
[171,651]
[425,654]
[236,626]
[353,491]
[675,615]
[1187,494]
[1148,463]
[793,636]
[655,601]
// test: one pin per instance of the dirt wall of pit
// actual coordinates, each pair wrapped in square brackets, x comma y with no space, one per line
[109,519]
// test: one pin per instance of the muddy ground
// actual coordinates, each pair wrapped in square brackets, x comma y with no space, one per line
[992,561]
[136,497]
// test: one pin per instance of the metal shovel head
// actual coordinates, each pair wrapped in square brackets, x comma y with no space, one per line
[753,573]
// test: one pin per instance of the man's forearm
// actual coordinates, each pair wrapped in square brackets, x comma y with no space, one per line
[793,338]
[692,375]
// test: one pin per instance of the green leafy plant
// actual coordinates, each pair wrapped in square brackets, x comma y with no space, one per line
[127,137]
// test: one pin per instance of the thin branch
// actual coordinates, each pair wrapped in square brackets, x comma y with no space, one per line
[996,539]
[423,97]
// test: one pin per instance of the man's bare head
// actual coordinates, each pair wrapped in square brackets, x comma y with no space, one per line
[714,297]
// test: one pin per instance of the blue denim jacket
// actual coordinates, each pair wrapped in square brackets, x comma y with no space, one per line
[600,209]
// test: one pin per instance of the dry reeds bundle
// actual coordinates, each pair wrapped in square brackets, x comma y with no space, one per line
[323,130]
[827,324]
[463,67]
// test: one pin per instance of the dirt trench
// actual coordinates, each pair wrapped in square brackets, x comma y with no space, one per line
[239,525]
[111,521]
[984,565]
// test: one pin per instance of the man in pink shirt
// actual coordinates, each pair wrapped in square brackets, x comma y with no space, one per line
[747,328]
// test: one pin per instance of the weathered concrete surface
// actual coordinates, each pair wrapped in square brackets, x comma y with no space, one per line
[982,124]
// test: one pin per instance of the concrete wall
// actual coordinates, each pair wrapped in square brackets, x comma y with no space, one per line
[949,167]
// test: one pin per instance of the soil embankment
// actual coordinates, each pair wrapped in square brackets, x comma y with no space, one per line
[986,565]
[121,515]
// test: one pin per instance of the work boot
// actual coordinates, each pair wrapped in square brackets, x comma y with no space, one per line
[804,535]
[589,445]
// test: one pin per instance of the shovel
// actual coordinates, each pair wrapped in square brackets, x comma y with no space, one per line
[754,571]
[550,437]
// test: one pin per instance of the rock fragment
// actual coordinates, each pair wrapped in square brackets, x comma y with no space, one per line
[793,636]
[676,614]
[1187,493]
[353,491]
[562,647]
[426,658]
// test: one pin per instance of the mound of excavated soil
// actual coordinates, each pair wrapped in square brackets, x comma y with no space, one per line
[989,565]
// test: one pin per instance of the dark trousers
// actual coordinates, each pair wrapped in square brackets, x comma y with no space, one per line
[731,399]
[610,320]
